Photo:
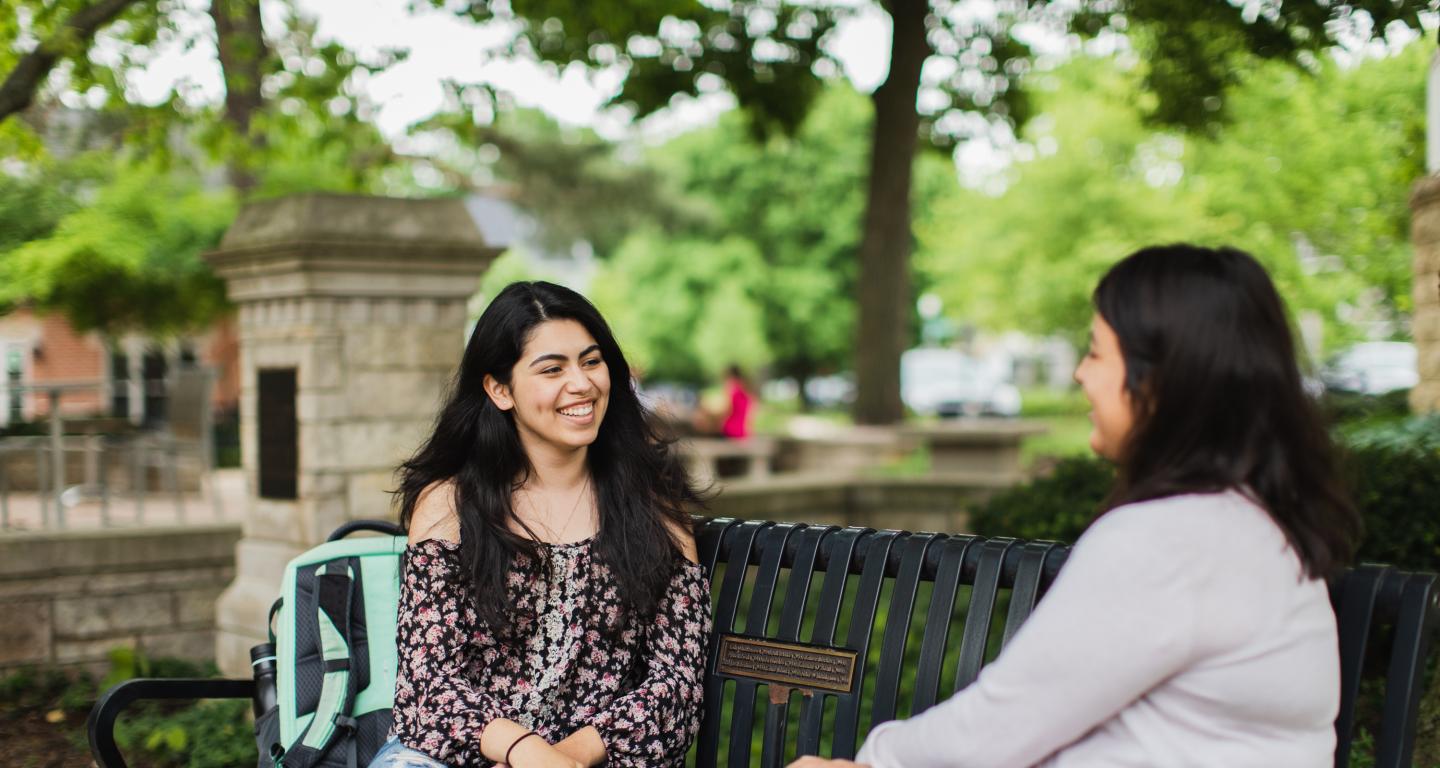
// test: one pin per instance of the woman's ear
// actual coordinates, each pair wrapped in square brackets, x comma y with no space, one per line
[499,393]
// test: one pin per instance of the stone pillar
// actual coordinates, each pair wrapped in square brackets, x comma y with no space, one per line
[360,302]
[1425,321]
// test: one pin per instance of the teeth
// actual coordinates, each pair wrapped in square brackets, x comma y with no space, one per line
[583,410]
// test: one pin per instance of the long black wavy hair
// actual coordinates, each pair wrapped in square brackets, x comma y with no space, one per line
[1217,394]
[640,486]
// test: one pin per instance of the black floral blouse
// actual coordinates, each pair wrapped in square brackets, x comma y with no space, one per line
[567,661]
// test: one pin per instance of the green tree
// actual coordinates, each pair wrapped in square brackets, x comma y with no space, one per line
[685,308]
[1311,175]
[769,54]
[127,260]
[118,263]
[569,180]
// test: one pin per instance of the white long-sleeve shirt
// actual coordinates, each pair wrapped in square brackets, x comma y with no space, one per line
[1181,632]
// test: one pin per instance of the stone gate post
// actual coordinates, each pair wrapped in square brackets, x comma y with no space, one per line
[1425,322]
[352,316]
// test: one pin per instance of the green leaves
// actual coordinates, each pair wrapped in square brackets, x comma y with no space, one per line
[130,260]
[1311,175]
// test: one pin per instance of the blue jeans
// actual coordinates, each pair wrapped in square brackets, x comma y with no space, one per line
[397,755]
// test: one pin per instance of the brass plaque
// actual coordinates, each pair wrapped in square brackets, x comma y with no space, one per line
[813,667]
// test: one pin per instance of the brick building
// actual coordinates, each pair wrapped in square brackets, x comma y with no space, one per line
[123,377]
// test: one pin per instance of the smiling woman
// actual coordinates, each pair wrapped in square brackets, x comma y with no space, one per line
[551,611]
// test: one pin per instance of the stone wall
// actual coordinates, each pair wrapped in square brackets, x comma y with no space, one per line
[68,597]
[905,503]
[1425,322]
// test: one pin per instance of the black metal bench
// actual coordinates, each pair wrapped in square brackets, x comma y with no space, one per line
[921,614]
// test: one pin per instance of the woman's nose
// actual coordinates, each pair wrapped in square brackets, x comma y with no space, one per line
[577,381]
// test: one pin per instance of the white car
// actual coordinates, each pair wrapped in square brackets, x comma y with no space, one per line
[1374,368]
[947,383]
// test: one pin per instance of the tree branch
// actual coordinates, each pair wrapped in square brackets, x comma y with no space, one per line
[18,90]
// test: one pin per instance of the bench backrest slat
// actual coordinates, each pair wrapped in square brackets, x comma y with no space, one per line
[735,552]
[877,546]
[1355,600]
[976,635]
[968,578]
[937,621]
[1405,679]
[1026,592]
[897,626]
[770,550]
[839,550]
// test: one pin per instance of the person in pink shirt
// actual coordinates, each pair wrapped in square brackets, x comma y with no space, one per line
[737,422]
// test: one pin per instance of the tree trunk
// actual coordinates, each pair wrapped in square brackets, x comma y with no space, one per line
[30,71]
[884,286]
[241,46]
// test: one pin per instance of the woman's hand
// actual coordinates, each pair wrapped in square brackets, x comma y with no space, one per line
[584,746]
[535,752]
[810,761]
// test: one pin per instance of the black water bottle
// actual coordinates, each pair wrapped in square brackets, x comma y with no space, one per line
[262,665]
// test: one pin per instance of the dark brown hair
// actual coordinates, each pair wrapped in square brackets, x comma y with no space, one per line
[641,488]
[1211,369]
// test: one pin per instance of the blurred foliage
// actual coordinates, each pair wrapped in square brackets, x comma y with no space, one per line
[1196,51]
[793,200]
[1058,506]
[684,307]
[1393,469]
[129,259]
[1358,413]
[1312,177]
[107,204]
[569,180]
[205,734]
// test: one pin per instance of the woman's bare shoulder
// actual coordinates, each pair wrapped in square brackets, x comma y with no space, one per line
[434,516]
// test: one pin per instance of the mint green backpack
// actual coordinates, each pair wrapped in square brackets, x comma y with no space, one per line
[333,639]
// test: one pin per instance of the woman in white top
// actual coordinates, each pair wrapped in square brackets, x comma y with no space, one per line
[1191,624]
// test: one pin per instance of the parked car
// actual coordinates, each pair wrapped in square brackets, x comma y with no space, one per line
[1373,368]
[950,383]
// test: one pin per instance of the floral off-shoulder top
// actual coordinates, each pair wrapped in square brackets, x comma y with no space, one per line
[572,658]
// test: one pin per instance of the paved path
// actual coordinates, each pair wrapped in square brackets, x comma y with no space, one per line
[223,499]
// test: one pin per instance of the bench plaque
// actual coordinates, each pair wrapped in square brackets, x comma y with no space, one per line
[796,665]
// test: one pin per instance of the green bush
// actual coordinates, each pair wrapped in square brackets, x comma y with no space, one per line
[1393,469]
[1056,506]
[1344,407]
[1394,472]
[206,734]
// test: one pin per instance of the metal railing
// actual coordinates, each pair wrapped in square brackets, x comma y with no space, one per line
[141,458]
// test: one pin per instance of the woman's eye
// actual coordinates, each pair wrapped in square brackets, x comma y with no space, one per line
[592,362]
[550,370]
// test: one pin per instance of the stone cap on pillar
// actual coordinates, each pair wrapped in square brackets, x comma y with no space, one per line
[335,245]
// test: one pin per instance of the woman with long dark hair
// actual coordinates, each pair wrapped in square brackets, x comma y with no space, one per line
[552,613]
[1191,625]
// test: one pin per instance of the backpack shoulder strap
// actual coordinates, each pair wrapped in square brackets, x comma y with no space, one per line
[334,592]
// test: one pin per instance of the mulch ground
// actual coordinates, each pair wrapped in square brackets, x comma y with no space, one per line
[30,741]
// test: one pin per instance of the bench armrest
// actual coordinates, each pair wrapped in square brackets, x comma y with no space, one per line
[101,725]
